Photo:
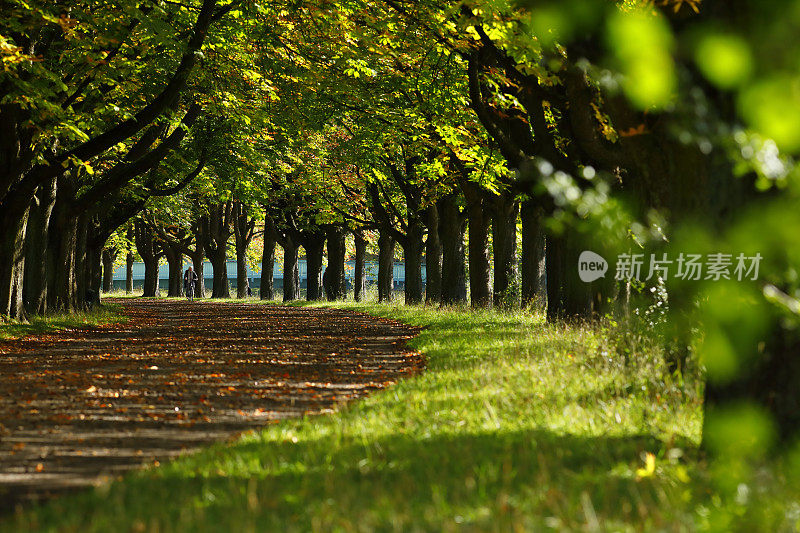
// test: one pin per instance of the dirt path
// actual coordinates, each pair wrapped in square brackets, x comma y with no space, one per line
[80,407]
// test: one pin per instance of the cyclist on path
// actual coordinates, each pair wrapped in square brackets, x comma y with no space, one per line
[189,280]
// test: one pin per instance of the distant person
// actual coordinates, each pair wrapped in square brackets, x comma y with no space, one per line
[189,280]
[247,286]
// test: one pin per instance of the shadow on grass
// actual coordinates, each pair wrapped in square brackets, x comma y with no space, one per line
[491,480]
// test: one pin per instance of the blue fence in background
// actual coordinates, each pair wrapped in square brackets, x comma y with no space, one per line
[255,275]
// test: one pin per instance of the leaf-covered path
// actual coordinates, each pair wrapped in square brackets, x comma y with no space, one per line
[79,407]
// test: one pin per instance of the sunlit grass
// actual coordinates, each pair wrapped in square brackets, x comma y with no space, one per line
[39,324]
[515,424]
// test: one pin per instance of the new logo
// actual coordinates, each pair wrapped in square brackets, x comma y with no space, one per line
[591,266]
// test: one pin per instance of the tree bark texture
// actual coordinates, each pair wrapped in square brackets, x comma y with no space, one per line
[217,232]
[244,228]
[504,239]
[337,284]
[360,274]
[433,257]
[314,243]
[386,244]
[533,256]
[149,252]
[452,230]
[267,290]
[291,271]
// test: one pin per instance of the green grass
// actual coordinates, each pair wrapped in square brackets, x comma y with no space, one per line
[515,425]
[37,325]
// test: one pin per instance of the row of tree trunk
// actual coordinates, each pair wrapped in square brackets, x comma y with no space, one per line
[211,231]
[52,226]
[445,223]
[53,254]
[441,233]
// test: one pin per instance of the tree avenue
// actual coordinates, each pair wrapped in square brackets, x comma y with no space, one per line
[488,142]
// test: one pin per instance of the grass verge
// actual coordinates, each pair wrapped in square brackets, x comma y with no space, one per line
[515,425]
[108,313]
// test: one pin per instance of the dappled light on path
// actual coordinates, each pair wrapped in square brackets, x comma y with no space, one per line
[80,407]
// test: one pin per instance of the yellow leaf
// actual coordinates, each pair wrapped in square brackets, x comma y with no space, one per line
[649,467]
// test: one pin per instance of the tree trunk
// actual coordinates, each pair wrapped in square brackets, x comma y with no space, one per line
[268,261]
[217,233]
[18,280]
[146,246]
[94,274]
[61,263]
[82,270]
[220,288]
[554,267]
[62,249]
[93,261]
[533,256]
[337,285]
[150,287]
[108,270]
[198,257]
[198,265]
[412,254]
[314,243]
[129,262]
[17,308]
[479,265]
[12,265]
[175,262]
[386,245]
[242,283]
[452,229]
[243,230]
[504,239]
[15,155]
[360,275]
[36,242]
[433,257]
[291,271]
[129,273]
